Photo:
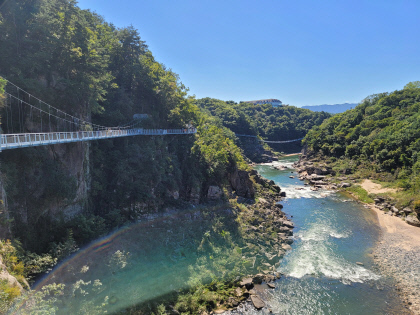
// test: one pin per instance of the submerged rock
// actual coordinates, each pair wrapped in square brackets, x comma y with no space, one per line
[271,286]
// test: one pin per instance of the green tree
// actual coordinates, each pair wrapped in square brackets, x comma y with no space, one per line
[412,85]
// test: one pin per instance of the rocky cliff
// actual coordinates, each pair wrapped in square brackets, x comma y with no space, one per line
[41,186]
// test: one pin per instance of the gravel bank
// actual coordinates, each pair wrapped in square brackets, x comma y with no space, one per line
[398,255]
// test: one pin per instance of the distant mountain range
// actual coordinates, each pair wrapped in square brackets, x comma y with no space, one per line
[332,109]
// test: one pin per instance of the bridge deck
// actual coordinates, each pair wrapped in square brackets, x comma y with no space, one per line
[268,141]
[22,140]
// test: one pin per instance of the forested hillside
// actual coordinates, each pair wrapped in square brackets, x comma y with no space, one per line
[56,199]
[379,138]
[59,197]
[268,122]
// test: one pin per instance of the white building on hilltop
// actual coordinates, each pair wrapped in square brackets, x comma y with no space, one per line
[273,101]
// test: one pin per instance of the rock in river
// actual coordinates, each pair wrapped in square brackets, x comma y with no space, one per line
[258,303]
[271,286]
[247,283]
[289,224]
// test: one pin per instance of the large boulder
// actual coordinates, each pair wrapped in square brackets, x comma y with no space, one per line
[407,210]
[276,188]
[346,171]
[417,207]
[345,185]
[317,177]
[7,277]
[247,283]
[258,278]
[257,302]
[288,223]
[413,220]
[214,193]
[287,231]
[394,209]
[242,184]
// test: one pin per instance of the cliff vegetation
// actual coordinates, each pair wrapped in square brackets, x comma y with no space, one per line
[264,121]
[379,139]
[56,199]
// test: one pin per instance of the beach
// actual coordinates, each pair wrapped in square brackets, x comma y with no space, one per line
[398,255]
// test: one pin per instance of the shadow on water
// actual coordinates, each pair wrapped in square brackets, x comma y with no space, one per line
[148,261]
[329,270]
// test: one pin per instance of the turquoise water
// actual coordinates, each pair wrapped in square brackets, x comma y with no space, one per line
[321,274]
[168,253]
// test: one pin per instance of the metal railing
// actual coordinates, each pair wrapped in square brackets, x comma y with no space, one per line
[22,140]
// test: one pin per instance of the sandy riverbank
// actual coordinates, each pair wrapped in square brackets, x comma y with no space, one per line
[398,255]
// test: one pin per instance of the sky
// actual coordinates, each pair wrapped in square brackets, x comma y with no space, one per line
[303,52]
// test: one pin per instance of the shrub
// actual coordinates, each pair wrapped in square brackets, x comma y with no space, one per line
[7,294]
[360,193]
[416,206]
[9,255]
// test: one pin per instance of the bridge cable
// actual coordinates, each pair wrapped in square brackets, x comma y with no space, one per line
[268,141]
[94,126]
[71,122]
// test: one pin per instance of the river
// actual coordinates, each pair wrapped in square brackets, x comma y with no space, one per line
[330,268]
[328,271]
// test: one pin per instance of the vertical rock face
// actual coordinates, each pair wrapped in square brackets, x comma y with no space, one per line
[75,159]
[5,231]
[254,150]
[42,185]
[242,184]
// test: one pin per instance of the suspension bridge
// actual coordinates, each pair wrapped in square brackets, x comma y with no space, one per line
[268,141]
[24,112]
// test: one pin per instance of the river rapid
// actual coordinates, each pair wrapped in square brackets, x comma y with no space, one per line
[330,268]
[328,271]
